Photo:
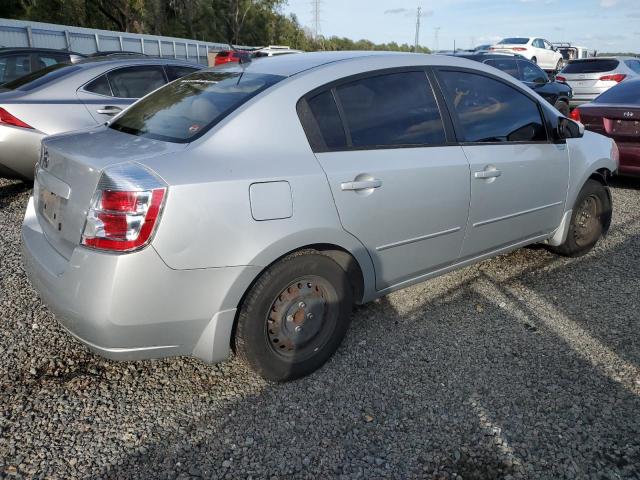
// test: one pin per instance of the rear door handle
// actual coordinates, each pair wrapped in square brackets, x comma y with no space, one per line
[488,174]
[361,185]
[109,110]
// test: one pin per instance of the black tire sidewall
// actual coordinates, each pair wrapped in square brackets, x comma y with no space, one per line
[252,343]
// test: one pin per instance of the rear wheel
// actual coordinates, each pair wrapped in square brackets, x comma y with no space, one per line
[589,220]
[294,317]
[534,60]
[562,107]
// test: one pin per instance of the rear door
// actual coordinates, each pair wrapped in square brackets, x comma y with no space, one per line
[518,177]
[400,187]
[113,91]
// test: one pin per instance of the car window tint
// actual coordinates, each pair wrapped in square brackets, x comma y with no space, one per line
[491,111]
[46,60]
[188,107]
[100,86]
[507,65]
[591,65]
[177,71]
[324,110]
[41,77]
[393,109]
[135,82]
[532,73]
[514,41]
[625,93]
[14,66]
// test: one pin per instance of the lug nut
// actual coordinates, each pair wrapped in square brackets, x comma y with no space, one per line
[310,316]
[298,329]
[289,318]
[302,305]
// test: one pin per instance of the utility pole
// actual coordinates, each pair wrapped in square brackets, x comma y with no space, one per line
[435,37]
[315,15]
[418,29]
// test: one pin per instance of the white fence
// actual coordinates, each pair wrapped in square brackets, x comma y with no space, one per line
[18,33]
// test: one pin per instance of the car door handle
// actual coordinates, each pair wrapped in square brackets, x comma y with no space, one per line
[487,174]
[109,110]
[361,185]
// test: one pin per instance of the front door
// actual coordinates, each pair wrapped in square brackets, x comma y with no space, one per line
[518,177]
[398,188]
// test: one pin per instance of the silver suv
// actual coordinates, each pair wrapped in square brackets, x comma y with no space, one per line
[250,206]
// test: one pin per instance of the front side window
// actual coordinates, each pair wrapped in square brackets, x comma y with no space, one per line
[396,109]
[532,73]
[135,82]
[488,110]
[187,108]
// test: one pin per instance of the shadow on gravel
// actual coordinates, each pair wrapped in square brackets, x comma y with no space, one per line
[10,191]
[626,183]
[487,375]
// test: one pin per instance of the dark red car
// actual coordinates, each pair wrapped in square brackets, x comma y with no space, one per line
[616,114]
[231,56]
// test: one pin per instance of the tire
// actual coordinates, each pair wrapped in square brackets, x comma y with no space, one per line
[559,65]
[294,317]
[534,60]
[563,107]
[589,221]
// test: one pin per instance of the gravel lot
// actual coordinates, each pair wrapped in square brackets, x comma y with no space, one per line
[525,366]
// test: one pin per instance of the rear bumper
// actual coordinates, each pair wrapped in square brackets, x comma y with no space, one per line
[129,307]
[629,159]
[19,151]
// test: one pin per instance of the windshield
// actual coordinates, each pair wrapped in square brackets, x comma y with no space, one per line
[514,41]
[626,93]
[40,77]
[188,107]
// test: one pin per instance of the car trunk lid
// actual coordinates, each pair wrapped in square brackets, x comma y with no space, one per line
[68,173]
[615,121]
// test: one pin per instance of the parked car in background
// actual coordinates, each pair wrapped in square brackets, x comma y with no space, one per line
[481,48]
[16,62]
[538,50]
[556,93]
[232,56]
[273,50]
[266,244]
[592,76]
[616,114]
[573,52]
[66,97]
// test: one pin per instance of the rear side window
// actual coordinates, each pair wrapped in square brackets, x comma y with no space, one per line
[135,82]
[41,77]
[100,86]
[325,112]
[506,65]
[396,109]
[595,65]
[532,73]
[488,110]
[626,93]
[177,71]
[187,108]
[14,66]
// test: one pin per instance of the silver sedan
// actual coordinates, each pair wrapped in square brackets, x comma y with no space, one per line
[250,207]
[66,97]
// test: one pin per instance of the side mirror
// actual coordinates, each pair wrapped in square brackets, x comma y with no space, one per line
[567,128]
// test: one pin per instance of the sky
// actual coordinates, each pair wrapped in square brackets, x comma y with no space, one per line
[603,25]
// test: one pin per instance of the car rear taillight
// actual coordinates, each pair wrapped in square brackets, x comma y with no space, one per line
[125,209]
[618,77]
[575,115]
[8,119]
[560,78]
[518,49]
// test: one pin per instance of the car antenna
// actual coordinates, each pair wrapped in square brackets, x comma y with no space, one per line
[241,59]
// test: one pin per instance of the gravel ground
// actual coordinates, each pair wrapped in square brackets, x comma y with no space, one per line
[524,366]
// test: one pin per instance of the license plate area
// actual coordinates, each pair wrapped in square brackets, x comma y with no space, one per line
[50,206]
[622,127]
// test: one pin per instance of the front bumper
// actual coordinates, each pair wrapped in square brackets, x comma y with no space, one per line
[132,306]
[19,151]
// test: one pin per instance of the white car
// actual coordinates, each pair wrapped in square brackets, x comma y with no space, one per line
[537,50]
[273,50]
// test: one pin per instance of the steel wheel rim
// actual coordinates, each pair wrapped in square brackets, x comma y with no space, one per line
[587,221]
[302,318]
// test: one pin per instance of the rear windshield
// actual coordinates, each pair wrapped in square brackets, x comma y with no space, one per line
[40,77]
[514,41]
[595,65]
[627,93]
[187,108]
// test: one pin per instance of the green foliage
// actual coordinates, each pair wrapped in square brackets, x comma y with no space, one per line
[242,22]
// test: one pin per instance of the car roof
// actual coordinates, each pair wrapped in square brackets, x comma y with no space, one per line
[35,49]
[125,59]
[490,56]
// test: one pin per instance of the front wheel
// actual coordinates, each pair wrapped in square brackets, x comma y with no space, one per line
[559,65]
[589,220]
[294,317]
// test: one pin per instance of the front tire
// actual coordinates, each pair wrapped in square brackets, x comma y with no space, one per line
[589,220]
[559,65]
[294,317]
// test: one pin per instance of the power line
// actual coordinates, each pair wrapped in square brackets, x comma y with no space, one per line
[315,17]
[436,33]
